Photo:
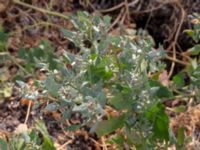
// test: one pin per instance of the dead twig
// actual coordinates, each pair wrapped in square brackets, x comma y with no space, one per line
[43,23]
[63,147]
[41,9]
[176,38]
[126,4]
[127,10]
[154,8]
[104,144]
[173,62]
[116,20]
[28,112]
[191,100]
[176,60]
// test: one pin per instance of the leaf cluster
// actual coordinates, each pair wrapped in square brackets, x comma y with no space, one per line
[108,72]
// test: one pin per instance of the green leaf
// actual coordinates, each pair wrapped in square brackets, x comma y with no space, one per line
[66,115]
[96,20]
[73,127]
[34,136]
[107,20]
[119,140]
[120,103]
[96,73]
[69,34]
[3,39]
[107,126]
[103,45]
[162,91]
[180,109]
[51,85]
[3,144]
[194,74]
[189,32]
[101,97]
[179,80]
[122,98]
[3,36]
[51,107]
[20,144]
[98,92]
[22,53]
[195,50]
[47,144]
[83,16]
[181,137]
[160,122]
[42,54]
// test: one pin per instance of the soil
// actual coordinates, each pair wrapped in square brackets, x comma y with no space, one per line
[162,19]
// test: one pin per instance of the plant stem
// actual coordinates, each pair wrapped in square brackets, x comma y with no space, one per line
[28,112]
[15,61]
[35,25]
[53,13]
[79,90]
[176,60]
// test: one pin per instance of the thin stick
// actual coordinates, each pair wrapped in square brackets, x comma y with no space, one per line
[127,10]
[94,141]
[155,8]
[16,63]
[28,112]
[64,145]
[53,13]
[175,41]
[191,99]
[4,53]
[116,20]
[112,8]
[43,23]
[173,63]
[119,6]
[182,54]
[123,18]
[104,144]
[176,60]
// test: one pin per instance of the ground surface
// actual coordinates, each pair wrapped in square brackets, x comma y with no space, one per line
[165,21]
